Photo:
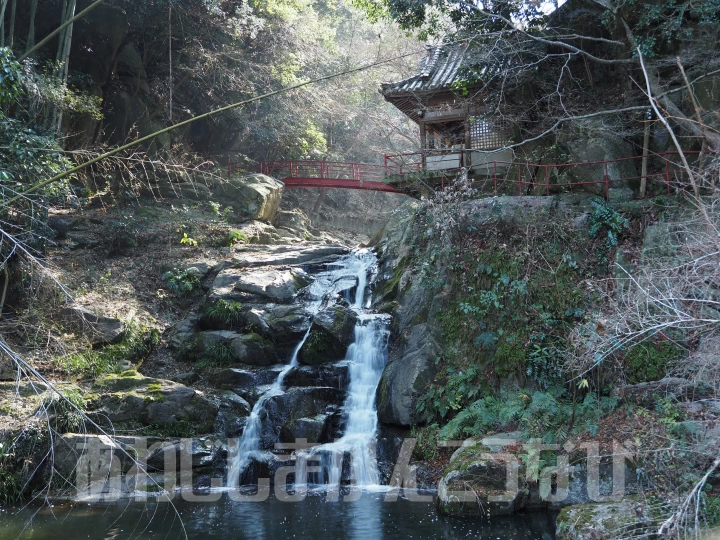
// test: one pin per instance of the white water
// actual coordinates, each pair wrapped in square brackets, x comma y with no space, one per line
[360,403]
[367,356]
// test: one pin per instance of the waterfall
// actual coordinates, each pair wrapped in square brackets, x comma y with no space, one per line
[249,443]
[367,354]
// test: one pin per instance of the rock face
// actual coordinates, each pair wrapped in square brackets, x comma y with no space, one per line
[253,197]
[331,334]
[275,285]
[250,349]
[417,299]
[594,142]
[131,397]
[406,377]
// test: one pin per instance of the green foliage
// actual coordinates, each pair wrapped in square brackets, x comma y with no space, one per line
[65,412]
[216,355]
[235,236]
[53,91]
[181,282]
[11,487]
[224,312]
[10,77]
[649,361]
[711,510]
[427,443]
[28,154]
[605,219]
[136,343]
[187,241]
[460,387]
[545,415]
[183,429]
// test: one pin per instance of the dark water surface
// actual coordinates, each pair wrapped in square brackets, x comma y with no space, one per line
[369,518]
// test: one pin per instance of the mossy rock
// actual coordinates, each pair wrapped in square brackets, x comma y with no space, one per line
[331,334]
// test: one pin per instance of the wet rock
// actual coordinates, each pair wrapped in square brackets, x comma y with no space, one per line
[331,375]
[284,324]
[253,197]
[232,415]
[99,329]
[286,408]
[331,333]
[245,378]
[198,452]
[405,378]
[310,429]
[476,485]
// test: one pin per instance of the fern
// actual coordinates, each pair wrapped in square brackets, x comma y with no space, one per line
[602,218]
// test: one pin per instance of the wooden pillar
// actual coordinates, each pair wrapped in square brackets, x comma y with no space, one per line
[423,142]
[646,147]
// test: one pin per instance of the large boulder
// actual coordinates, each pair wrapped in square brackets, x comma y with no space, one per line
[133,398]
[253,197]
[295,221]
[484,479]
[276,285]
[406,377]
[233,414]
[332,375]
[594,142]
[331,333]
[285,411]
[250,349]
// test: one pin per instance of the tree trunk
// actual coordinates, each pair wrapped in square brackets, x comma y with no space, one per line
[2,23]
[31,30]
[11,30]
[66,37]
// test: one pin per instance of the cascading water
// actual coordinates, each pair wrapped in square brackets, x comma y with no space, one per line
[249,444]
[367,354]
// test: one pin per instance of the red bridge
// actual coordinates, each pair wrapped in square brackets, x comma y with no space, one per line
[407,173]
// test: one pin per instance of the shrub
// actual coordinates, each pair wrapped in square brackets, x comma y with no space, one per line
[648,361]
[223,312]
[235,236]
[181,282]
[216,355]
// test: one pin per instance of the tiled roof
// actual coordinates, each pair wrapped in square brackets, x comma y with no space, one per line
[437,70]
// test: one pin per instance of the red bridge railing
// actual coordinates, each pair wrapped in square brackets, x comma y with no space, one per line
[528,178]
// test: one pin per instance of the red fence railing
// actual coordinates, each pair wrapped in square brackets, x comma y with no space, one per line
[534,178]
